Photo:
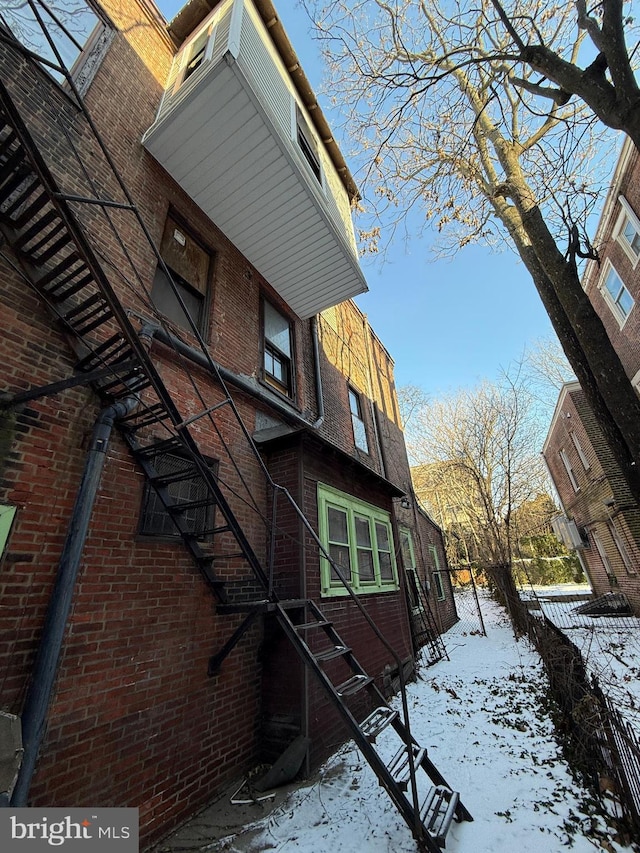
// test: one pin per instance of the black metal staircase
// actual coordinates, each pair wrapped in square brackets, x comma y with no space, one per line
[419,791]
[54,256]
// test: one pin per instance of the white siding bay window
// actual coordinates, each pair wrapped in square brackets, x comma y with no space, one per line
[239,132]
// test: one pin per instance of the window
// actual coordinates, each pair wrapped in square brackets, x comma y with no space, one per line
[278,350]
[580,451]
[189,265]
[359,431]
[627,231]
[7,514]
[437,574]
[358,537]
[197,53]
[409,562]
[307,144]
[604,558]
[187,487]
[569,469]
[73,25]
[622,548]
[616,295]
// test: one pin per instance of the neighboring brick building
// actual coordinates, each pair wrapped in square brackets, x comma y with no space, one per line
[605,520]
[600,520]
[230,360]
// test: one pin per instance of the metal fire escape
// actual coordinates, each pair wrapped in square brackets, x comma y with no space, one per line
[53,253]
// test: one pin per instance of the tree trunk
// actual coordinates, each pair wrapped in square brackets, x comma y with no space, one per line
[582,335]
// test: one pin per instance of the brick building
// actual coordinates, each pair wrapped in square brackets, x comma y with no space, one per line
[605,522]
[197,422]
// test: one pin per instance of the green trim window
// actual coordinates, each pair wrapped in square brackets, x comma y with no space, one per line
[437,574]
[359,538]
[7,514]
[410,569]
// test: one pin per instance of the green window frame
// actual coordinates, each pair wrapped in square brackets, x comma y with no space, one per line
[359,538]
[7,514]
[437,574]
[411,569]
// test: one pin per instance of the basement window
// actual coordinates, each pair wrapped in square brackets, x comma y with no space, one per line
[189,264]
[190,487]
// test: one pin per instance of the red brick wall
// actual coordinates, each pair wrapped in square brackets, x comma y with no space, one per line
[602,498]
[135,719]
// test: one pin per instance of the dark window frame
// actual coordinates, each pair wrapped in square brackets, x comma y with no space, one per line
[270,350]
[183,286]
[308,145]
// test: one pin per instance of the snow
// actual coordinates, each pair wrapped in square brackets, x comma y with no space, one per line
[482,716]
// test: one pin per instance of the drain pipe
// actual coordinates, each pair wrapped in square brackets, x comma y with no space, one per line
[244,383]
[38,698]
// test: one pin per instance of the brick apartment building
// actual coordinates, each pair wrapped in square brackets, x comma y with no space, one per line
[601,520]
[195,416]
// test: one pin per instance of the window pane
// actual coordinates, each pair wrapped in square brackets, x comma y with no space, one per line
[340,555]
[437,579]
[366,569]
[77,22]
[359,434]
[386,567]
[382,535]
[363,532]
[337,525]
[277,329]
[166,301]
[625,301]
[613,284]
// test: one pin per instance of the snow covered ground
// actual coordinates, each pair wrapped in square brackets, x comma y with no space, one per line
[482,715]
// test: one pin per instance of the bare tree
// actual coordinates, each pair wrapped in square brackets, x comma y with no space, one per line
[447,127]
[478,463]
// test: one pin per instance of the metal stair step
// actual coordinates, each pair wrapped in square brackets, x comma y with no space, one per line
[377,721]
[333,652]
[399,766]
[305,626]
[353,685]
[438,811]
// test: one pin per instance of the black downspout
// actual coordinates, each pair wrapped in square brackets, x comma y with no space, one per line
[38,698]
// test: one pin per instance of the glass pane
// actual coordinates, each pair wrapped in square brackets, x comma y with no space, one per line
[625,301]
[337,525]
[77,22]
[382,535]
[405,544]
[340,555]
[386,567]
[166,302]
[359,434]
[354,403]
[437,579]
[365,566]
[613,284]
[277,329]
[363,532]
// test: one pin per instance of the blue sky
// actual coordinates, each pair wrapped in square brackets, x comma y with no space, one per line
[447,324]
